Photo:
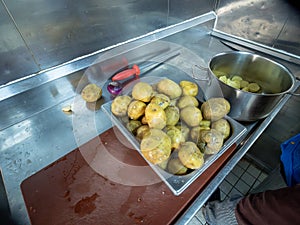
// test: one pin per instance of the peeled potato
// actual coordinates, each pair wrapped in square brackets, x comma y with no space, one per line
[136,109]
[215,108]
[133,125]
[234,83]
[91,93]
[169,88]
[143,120]
[195,132]
[161,100]
[119,105]
[237,78]
[253,87]
[155,116]
[142,91]
[176,136]
[187,100]
[140,132]
[185,130]
[163,164]
[175,166]
[223,79]
[223,126]
[244,83]
[219,73]
[210,141]
[172,115]
[156,146]
[189,88]
[191,115]
[190,155]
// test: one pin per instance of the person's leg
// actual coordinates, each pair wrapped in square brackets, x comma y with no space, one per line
[221,212]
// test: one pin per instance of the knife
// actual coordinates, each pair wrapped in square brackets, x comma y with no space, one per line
[145,67]
[115,87]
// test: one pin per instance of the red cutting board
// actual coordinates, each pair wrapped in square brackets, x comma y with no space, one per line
[87,187]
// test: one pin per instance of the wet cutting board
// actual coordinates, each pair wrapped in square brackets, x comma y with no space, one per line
[104,182]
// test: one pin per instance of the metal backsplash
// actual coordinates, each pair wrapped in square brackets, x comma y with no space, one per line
[275,23]
[15,58]
[39,34]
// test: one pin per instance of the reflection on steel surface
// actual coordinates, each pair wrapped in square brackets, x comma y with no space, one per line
[57,32]
[274,23]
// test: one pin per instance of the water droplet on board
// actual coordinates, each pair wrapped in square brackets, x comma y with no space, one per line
[257,34]
[69,35]
[176,181]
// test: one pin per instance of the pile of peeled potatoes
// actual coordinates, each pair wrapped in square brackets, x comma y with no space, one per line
[174,129]
[238,82]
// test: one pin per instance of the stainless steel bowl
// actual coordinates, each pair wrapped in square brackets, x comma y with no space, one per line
[274,79]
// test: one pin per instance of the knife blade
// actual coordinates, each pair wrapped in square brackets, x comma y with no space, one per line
[145,67]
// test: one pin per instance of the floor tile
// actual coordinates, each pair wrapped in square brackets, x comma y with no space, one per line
[257,182]
[195,221]
[242,187]
[223,195]
[231,178]
[200,217]
[225,187]
[238,171]
[243,163]
[235,192]
[262,176]
[253,170]
[248,178]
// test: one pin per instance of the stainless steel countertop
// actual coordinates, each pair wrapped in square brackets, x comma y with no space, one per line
[35,132]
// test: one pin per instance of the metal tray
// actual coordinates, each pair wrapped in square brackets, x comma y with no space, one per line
[176,183]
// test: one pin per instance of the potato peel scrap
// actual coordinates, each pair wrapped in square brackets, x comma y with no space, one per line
[67,109]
